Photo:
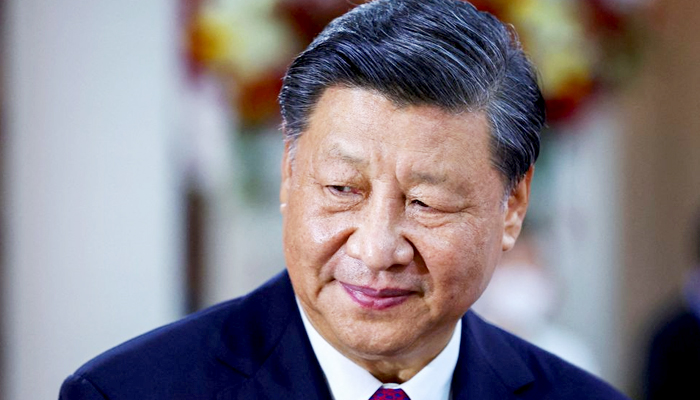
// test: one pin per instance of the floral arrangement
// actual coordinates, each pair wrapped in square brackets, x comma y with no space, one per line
[579,46]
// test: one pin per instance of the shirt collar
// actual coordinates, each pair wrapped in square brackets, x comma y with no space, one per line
[349,381]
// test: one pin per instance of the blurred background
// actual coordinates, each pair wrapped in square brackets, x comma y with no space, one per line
[139,173]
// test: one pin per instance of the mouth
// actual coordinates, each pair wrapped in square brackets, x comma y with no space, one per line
[376,299]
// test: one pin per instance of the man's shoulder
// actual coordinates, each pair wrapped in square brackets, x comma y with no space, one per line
[223,341]
[191,334]
[530,370]
[678,324]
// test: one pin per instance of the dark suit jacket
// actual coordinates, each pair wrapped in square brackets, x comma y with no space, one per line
[673,363]
[255,347]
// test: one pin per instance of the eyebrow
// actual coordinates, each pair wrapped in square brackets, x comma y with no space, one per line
[358,161]
[336,152]
[428,178]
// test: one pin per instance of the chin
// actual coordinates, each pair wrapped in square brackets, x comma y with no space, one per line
[376,340]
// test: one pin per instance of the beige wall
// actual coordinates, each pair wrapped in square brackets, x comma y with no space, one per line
[661,170]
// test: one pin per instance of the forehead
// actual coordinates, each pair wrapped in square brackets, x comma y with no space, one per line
[357,125]
[365,109]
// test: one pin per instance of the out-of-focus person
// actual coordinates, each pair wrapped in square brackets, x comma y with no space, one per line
[522,298]
[673,363]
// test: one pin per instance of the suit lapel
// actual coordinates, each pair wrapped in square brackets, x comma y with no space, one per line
[488,367]
[290,372]
[271,348]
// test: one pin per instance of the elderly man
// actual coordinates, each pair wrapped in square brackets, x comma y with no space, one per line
[412,127]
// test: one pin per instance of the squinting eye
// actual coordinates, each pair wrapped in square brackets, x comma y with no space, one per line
[420,203]
[338,189]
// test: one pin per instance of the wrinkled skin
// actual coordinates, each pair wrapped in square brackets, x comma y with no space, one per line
[394,219]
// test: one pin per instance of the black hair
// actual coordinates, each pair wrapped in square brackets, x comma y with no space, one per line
[443,53]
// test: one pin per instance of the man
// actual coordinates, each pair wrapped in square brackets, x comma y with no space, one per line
[412,128]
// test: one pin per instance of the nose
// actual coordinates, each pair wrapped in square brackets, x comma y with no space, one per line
[378,239]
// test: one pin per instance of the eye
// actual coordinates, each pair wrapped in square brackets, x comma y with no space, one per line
[419,204]
[342,190]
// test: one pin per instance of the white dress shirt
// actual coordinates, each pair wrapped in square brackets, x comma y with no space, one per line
[349,381]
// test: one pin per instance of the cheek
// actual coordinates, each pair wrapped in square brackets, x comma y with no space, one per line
[313,238]
[460,263]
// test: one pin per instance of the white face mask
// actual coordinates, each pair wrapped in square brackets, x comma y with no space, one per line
[520,298]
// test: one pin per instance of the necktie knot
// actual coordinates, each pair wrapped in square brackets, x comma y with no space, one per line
[389,394]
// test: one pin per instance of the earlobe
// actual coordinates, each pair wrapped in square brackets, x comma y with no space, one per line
[515,210]
[286,175]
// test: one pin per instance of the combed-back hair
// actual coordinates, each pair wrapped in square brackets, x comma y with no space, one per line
[442,53]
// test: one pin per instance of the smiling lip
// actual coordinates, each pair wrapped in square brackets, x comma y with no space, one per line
[376,299]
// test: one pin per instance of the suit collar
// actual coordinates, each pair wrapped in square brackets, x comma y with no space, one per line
[488,367]
[268,345]
[288,372]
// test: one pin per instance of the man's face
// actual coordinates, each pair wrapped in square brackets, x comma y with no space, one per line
[393,222]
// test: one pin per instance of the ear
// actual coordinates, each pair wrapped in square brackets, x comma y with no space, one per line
[516,209]
[286,175]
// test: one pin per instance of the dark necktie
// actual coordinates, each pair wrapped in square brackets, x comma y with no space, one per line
[389,394]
